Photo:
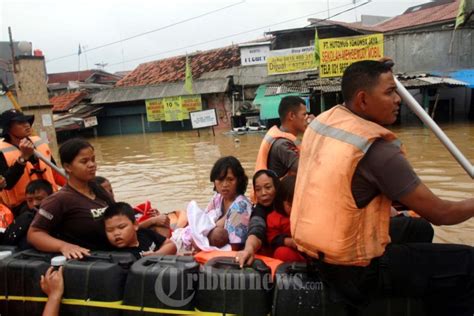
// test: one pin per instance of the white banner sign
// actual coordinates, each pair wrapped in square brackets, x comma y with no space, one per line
[201,119]
[254,55]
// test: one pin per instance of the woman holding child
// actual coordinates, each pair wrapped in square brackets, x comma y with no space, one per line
[229,203]
[267,225]
[68,221]
[226,218]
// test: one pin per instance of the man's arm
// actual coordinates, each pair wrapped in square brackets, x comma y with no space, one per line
[436,210]
[12,174]
[284,157]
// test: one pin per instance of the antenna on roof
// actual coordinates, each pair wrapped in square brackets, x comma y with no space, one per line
[101,65]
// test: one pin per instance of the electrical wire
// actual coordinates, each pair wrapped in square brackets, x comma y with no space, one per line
[149,32]
[247,31]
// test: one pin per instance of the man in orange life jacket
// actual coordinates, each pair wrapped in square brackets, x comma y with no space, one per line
[351,168]
[18,164]
[279,150]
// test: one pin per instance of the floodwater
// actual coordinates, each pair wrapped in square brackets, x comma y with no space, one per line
[171,169]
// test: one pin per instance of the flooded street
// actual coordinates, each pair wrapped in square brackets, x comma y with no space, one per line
[170,169]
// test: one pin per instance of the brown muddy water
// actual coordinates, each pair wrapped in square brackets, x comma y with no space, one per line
[171,169]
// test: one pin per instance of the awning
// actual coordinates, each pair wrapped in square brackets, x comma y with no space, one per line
[126,94]
[268,105]
[465,75]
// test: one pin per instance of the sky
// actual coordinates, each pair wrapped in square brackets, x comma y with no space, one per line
[59,27]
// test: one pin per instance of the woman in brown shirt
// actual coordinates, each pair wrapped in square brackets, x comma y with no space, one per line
[70,221]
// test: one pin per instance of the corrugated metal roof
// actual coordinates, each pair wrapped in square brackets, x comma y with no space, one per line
[444,81]
[328,85]
[255,75]
[126,94]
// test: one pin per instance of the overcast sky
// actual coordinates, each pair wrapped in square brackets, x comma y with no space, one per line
[57,27]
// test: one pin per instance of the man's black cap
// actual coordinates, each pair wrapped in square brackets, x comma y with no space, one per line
[9,116]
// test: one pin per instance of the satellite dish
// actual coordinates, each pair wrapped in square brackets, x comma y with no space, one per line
[24,48]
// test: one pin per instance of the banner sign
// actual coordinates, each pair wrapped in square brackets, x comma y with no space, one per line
[338,53]
[172,108]
[284,61]
[90,121]
[254,55]
[201,119]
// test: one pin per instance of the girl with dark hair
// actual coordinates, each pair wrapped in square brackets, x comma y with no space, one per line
[70,221]
[266,185]
[230,205]
[278,224]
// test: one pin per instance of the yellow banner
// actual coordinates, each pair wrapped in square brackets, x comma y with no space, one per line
[338,53]
[154,110]
[291,60]
[173,108]
[189,104]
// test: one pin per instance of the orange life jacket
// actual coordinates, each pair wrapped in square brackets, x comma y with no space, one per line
[6,216]
[325,219]
[272,135]
[16,195]
[202,257]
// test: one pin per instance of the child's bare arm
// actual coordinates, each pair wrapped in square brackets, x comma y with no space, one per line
[167,248]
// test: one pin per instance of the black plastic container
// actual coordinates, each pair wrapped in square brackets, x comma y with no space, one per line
[20,277]
[300,293]
[13,249]
[98,277]
[166,282]
[226,288]
[396,306]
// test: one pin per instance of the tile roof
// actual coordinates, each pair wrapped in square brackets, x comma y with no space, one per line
[173,69]
[423,16]
[64,102]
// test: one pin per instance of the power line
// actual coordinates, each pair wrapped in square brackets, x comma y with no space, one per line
[248,31]
[148,32]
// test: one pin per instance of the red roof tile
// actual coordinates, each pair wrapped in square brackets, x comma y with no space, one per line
[173,69]
[64,102]
[439,13]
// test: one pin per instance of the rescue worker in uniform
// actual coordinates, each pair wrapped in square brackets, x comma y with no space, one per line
[279,150]
[351,168]
[18,164]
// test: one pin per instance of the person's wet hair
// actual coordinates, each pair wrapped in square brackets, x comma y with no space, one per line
[218,237]
[71,148]
[362,75]
[289,104]
[285,193]
[119,208]
[222,165]
[270,173]
[39,185]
